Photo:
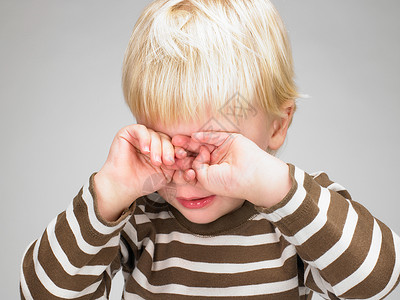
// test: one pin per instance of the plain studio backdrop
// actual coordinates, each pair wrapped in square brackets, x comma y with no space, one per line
[62,104]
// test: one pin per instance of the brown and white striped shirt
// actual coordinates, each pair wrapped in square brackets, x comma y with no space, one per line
[316,243]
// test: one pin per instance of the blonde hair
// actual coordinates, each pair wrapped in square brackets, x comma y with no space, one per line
[186,58]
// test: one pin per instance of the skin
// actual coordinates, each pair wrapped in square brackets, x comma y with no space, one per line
[230,162]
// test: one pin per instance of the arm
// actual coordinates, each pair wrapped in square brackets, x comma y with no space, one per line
[77,255]
[346,251]
[79,252]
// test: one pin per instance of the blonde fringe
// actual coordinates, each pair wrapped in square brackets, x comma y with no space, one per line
[187,58]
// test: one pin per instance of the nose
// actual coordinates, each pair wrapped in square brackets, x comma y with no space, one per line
[182,165]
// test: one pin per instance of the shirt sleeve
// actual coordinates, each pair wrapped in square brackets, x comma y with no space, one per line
[347,253]
[77,255]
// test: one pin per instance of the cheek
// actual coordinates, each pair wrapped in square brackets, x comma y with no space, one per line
[260,138]
[263,144]
[168,193]
[257,132]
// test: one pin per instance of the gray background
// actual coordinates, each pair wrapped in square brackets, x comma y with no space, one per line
[61,104]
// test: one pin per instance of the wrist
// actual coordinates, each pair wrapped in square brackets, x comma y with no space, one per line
[109,203]
[272,182]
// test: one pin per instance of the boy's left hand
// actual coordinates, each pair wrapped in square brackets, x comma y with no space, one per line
[229,164]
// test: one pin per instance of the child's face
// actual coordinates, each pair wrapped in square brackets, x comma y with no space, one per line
[255,128]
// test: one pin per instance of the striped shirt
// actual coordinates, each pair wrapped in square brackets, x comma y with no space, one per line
[316,243]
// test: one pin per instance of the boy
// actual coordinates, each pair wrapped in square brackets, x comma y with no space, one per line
[190,202]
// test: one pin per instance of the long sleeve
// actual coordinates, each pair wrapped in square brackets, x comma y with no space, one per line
[346,252]
[76,256]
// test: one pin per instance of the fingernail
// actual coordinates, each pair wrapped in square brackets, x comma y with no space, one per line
[146,148]
[187,177]
[181,152]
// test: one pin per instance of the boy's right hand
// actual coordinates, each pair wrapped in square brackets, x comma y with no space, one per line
[137,154]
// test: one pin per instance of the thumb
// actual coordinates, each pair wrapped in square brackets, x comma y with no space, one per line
[201,164]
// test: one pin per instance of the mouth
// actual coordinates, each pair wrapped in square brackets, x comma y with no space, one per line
[195,203]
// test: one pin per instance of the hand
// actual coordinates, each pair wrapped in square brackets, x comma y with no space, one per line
[140,162]
[232,165]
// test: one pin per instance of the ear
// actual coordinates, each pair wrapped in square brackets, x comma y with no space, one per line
[279,126]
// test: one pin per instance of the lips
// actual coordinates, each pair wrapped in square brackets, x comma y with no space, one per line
[195,203]
[192,198]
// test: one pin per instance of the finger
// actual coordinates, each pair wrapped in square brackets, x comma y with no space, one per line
[186,142]
[163,135]
[190,176]
[138,136]
[212,137]
[181,140]
[155,148]
[201,163]
[180,152]
[181,164]
[168,151]
[168,173]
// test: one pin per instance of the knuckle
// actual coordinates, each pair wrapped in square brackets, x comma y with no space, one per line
[164,136]
[154,135]
[140,126]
